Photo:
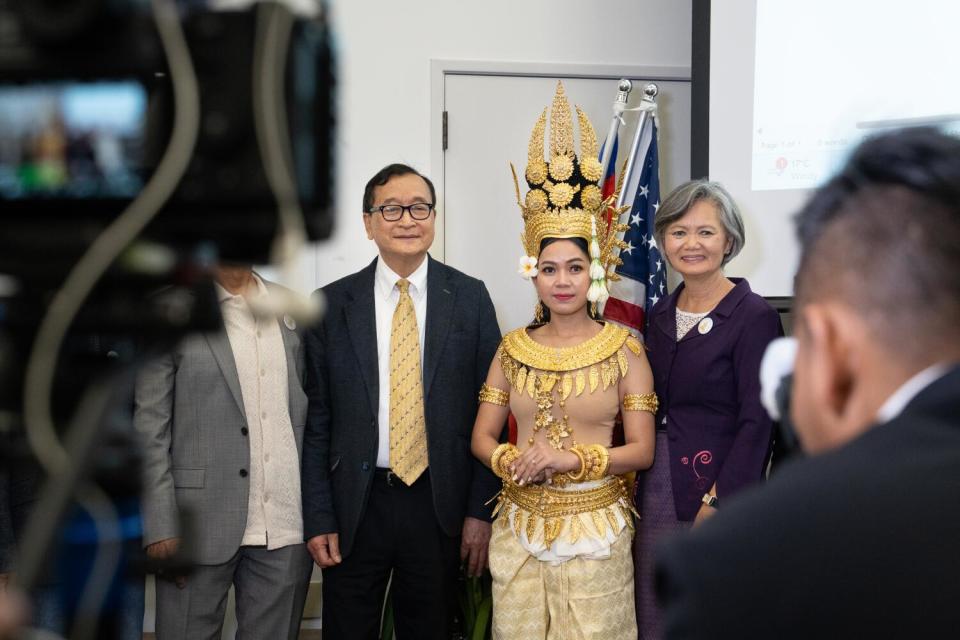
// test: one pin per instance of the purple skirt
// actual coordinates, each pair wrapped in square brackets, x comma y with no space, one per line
[659,522]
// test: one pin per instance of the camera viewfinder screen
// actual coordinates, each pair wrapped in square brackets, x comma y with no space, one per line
[72,140]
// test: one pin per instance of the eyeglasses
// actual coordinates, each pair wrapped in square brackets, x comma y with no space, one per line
[393,212]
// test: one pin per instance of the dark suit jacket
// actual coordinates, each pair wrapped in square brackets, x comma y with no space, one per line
[709,390]
[860,542]
[340,442]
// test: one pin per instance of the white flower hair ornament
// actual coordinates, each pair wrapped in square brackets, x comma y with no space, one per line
[528,267]
[597,294]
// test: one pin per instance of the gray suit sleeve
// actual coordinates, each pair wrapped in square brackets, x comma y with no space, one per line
[153,423]
[484,483]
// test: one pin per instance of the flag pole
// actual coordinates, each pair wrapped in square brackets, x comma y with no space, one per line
[623,95]
[647,106]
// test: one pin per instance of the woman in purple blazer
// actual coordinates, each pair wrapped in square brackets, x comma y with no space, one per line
[705,343]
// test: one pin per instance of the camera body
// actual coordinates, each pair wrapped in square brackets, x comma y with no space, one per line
[86,112]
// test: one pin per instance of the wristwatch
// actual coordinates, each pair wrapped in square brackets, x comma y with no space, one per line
[710,500]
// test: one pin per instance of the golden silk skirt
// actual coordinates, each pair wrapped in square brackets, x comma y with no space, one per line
[562,564]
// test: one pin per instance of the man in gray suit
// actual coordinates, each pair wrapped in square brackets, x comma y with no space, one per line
[394,369]
[222,419]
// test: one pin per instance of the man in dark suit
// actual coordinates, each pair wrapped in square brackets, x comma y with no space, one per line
[394,370]
[859,540]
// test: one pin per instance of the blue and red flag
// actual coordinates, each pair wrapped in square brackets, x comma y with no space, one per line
[610,178]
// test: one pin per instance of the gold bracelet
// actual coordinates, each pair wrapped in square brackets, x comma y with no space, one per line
[493,395]
[600,462]
[577,450]
[641,402]
[592,459]
[496,455]
[508,459]
[503,456]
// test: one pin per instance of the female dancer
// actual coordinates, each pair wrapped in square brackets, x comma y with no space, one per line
[560,550]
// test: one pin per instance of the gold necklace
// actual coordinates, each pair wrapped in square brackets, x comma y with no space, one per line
[529,365]
[556,430]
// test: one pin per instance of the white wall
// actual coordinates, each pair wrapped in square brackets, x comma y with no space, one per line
[385,48]
[384,51]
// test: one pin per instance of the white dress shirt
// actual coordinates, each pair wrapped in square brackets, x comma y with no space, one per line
[274,511]
[900,398]
[386,296]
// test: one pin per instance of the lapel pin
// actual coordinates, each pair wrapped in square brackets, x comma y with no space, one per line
[289,322]
[705,326]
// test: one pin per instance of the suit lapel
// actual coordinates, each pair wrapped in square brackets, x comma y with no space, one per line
[291,344]
[441,296]
[223,354]
[722,311]
[665,319]
[361,318]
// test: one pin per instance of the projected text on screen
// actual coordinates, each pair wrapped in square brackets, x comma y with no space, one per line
[830,73]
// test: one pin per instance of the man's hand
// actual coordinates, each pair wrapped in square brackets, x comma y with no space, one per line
[474,544]
[13,612]
[164,550]
[325,549]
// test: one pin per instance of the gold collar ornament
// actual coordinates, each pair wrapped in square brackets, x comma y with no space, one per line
[564,200]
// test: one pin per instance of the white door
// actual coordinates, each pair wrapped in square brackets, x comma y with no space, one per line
[489,120]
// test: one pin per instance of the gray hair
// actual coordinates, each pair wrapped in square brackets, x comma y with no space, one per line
[681,199]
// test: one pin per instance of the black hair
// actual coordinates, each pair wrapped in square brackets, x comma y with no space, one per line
[583,246]
[383,176]
[884,234]
[580,242]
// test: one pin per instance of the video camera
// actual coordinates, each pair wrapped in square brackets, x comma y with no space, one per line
[86,110]
[90,113]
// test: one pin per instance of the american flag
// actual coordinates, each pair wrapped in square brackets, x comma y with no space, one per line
[643,272]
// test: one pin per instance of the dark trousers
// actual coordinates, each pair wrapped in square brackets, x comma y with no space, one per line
[398,533]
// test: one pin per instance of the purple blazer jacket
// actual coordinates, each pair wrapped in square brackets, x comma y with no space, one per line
[709,390]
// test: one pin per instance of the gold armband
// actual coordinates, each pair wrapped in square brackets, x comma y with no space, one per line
[641,402]
[503,456]
[493,395]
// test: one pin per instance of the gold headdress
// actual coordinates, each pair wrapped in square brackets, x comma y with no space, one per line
[564,200]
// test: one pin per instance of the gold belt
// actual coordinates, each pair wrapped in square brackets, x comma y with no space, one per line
[548,502]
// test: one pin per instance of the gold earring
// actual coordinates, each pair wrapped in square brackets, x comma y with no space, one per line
[538,312]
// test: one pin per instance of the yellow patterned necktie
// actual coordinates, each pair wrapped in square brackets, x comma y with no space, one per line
[408,431]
